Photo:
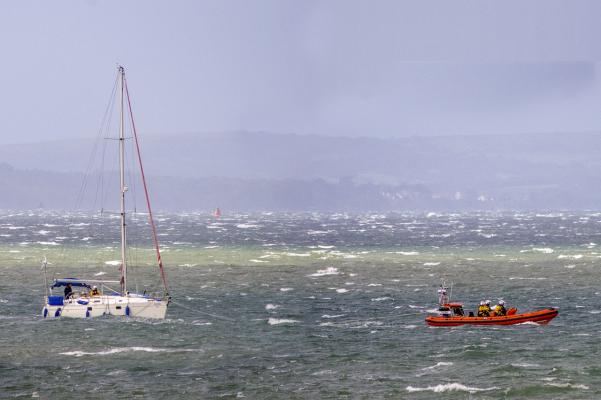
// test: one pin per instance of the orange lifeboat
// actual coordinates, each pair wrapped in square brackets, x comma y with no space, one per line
[540,317]
[451,314]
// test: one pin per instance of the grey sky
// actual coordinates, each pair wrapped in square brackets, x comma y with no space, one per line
[360,68]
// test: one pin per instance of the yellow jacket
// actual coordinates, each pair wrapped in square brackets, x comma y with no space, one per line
[500,310]
[483,311]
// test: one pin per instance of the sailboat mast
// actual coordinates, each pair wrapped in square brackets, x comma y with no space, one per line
[122,184]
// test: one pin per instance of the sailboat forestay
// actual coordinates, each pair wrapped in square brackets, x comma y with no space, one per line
[88,300]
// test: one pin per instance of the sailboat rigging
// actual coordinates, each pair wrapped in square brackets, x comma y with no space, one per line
[89,301]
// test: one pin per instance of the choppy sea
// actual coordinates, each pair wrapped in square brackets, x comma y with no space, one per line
[307,306]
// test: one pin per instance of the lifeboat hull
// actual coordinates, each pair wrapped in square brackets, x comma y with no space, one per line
[540,317]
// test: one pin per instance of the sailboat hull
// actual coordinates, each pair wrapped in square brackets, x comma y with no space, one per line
[97,306]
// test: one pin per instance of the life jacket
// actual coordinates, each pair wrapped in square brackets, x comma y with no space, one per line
[500,310]
[483,311]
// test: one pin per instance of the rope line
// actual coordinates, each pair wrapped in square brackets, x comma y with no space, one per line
[203,312]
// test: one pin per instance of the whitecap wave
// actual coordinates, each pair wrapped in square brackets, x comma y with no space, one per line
[571,257]
[327,271]
[450,387]
[568,385]
[279,321]
[117,350]
[438,365]
[298,254]
[525,365]
[246,226]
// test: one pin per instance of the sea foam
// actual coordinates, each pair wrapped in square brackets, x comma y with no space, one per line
[117,350]
[327,271]
[439,364]
[449,387]
[279,321]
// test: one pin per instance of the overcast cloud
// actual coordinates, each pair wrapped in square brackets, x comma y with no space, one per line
[357,68]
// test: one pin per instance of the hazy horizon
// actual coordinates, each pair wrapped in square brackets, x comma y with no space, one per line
[309,105]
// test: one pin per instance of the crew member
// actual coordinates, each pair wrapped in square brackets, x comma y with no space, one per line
[484,309]
[500,309]
[68,291]
[95,291]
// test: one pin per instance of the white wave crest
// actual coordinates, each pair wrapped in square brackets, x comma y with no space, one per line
[439,364]
[449,387]
[327,271]
[381,299]
[117,350]
[271,306]
[278,321]
[525,365]
[568,385]
[246,226]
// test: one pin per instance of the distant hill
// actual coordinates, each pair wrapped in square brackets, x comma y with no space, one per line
[261,171]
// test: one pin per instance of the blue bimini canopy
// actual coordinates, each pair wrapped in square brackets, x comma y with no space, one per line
[73,281]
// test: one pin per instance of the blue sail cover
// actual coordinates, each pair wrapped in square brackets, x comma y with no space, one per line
[73,281]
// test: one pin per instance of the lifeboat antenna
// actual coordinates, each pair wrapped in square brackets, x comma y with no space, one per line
[443,297]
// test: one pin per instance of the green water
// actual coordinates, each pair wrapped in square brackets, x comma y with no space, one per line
[305,320]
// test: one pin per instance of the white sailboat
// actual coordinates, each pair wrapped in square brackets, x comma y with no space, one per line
[93,298]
